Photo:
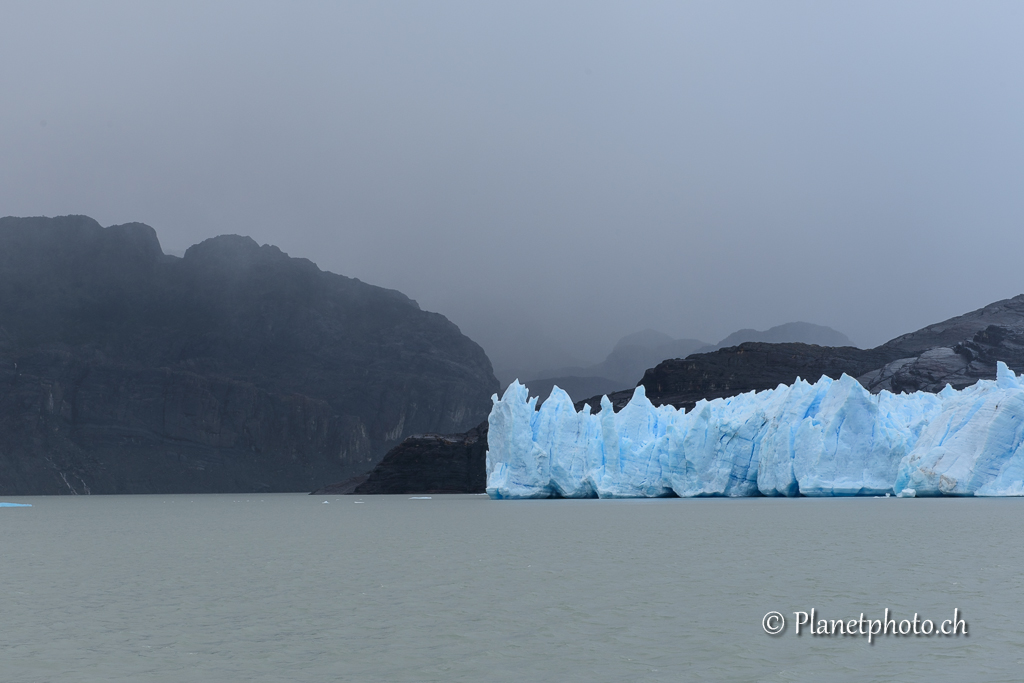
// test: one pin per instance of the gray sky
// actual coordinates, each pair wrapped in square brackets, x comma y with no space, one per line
[550,176]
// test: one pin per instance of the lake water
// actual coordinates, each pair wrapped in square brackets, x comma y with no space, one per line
[462,588]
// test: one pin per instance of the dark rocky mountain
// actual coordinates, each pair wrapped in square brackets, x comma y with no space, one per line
[1007,313]
[959,351]
[425,463]
[751,366]
[960,365]
[234,368]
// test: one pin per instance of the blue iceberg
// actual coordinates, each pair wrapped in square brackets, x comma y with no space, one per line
[15,505]
[829,438]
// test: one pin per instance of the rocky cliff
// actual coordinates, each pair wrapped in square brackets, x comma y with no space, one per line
[426,463]
[958,351]
[235,368]
[751,366]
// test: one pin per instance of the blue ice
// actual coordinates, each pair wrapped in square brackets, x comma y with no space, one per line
[829,438]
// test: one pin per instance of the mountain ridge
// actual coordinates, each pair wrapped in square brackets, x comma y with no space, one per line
[634,353]
[233,368]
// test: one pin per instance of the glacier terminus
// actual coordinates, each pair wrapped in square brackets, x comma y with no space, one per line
[829,438]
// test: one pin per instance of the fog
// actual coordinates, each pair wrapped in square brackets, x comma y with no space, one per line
[550,177]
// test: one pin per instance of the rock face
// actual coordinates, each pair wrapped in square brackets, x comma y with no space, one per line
[235,368]
[431,463]
[747,367]
[1007,313]
[958,351]
[960,365]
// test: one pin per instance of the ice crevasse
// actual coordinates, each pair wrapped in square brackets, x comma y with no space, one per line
[830,438]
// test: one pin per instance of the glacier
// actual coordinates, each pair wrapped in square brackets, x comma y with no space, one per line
[829,438]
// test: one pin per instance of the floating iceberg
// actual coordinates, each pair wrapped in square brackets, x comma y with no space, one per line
[830,438]
[15,505]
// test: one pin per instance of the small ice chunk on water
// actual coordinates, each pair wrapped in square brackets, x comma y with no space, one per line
[421,498]
[15,505]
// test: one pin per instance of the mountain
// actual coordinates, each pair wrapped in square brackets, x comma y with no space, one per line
[235,368]
[621,369]
[751,366]
[635,353]
[437,463]
[959,351]
[804,333]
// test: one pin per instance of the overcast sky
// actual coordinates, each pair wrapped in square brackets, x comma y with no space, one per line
[550,176]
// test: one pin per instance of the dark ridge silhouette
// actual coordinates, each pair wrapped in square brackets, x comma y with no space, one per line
[798,332]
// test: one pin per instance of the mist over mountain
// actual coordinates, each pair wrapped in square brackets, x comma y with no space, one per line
[234,368]
[804,333]
[549,178]
[958,351]
[635,353]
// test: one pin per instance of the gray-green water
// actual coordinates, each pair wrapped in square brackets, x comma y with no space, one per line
[461,588]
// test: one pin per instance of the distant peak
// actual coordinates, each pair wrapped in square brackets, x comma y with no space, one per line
[224,244]
[140,236]
[648,338]
[806,333]
[233,251]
